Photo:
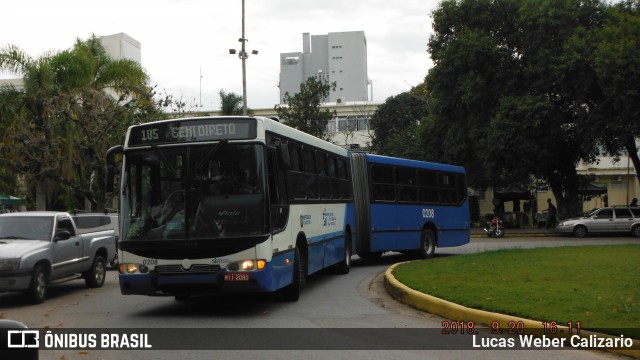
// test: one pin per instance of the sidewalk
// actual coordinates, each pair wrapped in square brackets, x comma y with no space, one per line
[526,231]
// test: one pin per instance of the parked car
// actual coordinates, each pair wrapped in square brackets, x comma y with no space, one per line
[39,248]
[92,222]
[614,219]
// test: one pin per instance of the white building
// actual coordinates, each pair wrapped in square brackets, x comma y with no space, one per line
[339,57]
[349,128]
[122,46]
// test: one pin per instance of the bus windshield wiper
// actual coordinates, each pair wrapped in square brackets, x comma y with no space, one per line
[164,158]
[210,154]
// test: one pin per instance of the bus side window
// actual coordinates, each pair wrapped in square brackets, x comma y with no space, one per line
[333,175]
[323,180]
[382,179]
[406,185]
[461,185]
[447,189]
[345,185]
[296,178]
[428,182]
[311,177]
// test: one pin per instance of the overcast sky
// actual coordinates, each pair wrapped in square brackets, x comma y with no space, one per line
[182,39]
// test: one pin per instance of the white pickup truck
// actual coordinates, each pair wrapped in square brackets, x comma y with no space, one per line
[39,248]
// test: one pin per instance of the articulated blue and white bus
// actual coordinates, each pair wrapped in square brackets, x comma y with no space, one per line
[246,204]
[408,206]
[229,204]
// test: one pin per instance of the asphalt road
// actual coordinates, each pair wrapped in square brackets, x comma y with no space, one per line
[332,306]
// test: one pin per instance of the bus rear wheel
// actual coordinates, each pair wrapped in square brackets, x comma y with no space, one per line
[427,245]
[344,266]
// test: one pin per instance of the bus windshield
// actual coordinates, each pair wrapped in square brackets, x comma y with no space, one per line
[194,192]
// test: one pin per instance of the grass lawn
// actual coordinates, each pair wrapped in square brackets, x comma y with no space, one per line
[596,285]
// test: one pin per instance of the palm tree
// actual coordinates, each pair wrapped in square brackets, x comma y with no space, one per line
[75,103]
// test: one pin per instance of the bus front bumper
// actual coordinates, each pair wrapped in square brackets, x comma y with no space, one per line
[269,279]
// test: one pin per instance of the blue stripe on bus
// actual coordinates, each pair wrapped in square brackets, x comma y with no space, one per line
[277,274]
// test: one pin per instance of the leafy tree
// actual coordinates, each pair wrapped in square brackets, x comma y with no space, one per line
[616,63]
[75,104]
[395,126]
[230,103]
[473,68]
[508,96]
[302,110]
[175,106]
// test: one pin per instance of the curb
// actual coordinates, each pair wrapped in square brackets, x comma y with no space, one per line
[509,234]
[456,312]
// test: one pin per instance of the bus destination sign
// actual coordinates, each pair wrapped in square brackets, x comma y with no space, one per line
[192,130]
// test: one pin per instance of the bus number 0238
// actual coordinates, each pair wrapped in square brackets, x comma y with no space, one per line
[428,213]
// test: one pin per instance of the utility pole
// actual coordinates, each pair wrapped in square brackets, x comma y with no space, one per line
[243,55]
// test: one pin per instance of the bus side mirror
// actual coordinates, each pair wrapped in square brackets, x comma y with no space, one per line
[285,158]
[111,164]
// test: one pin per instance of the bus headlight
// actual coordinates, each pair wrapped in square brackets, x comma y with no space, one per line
[130,268]
[245,265]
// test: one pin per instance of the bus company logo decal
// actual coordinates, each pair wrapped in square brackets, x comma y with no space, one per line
[186,264]
[305,220]
[228,213]
[328,218]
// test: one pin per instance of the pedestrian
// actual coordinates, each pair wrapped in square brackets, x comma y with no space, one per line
[552,211]
[634,202]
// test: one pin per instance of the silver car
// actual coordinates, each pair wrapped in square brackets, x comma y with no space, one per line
[615,219]
[90,222]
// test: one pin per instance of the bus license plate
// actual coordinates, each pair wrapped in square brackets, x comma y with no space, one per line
[236,277]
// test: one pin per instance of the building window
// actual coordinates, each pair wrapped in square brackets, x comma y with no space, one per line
[363,123]
[293,60]
[331,125]
[347,124]
[350,123]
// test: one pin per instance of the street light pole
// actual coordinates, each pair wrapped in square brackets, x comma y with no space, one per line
[243,55]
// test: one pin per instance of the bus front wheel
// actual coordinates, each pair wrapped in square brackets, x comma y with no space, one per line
[292,291]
